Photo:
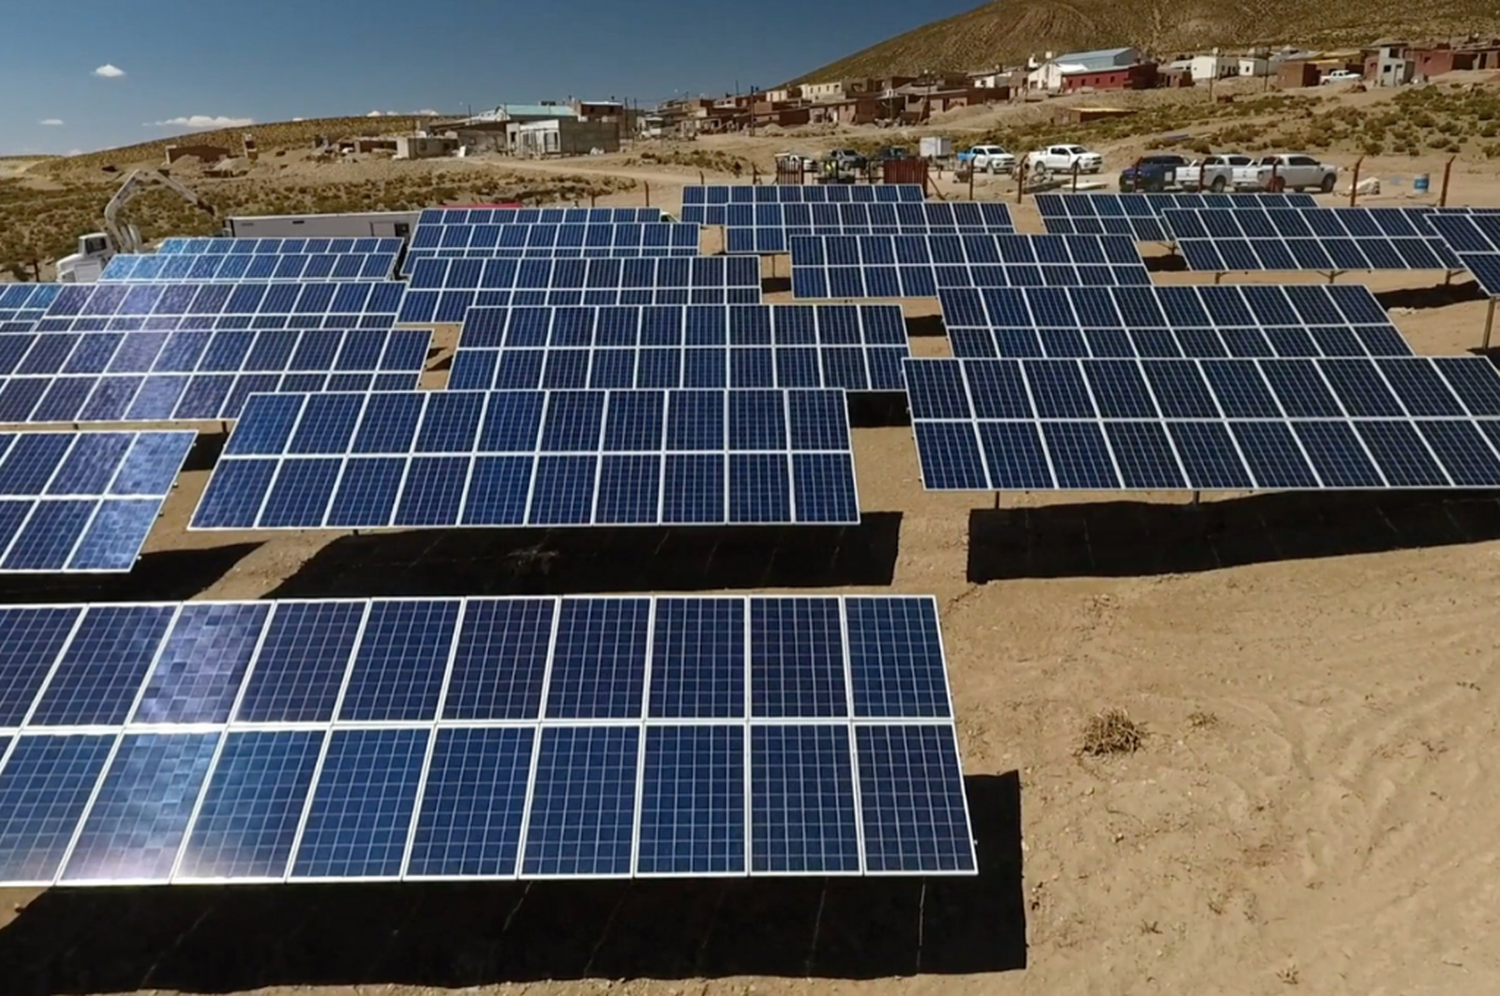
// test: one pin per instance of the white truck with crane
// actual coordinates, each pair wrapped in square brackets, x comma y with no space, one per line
[96,249]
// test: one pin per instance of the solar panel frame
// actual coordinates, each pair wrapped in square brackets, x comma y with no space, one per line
[195,374]
[1001,425]
[565,458]
[248,304]
[1168,322]
[387,848]
[1331,239]
[903,266]
[120,482]
[585,241]
[855,347]
[458,215]
[1475,240]
[765,229]
[134,268]
[704,205]
[1139,215]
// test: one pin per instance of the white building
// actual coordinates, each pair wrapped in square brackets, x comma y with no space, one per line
[1048,74]
[1208,67]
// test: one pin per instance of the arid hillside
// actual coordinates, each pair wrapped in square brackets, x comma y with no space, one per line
[1008,31]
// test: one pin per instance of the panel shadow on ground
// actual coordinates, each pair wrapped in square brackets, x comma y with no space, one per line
[164,576]
[217,940]
[1135,539]
[600,560]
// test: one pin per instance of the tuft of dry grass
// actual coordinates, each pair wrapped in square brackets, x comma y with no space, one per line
[1112,732]
[1200,719]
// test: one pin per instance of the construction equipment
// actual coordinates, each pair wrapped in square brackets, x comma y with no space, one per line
[96,249]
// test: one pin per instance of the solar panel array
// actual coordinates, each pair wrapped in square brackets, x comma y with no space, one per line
[1139,215]
[23,305]
[497,241]
[1324,239]
[128,268]
[1475,240]
[858,348]
[477,738]
[707,205]
[763,229]
[1169,322]
[276,247]
[80,502]
[538,216]
[193,375]
[1225,424]
[885,266]
[258,305]
[443,290]
[530,458]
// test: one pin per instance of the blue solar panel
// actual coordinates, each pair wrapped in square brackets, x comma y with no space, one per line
[712,205]
[883,266]
[247,823]
[1323,239]
[83,502]
[197,374]
[582,817]
[138,819]
[276,247]
[44,789]
[474,805]
[803,819]
[857,348]
[802,472]
[1475,240]
[1169,322]
[1259,424]
[359,818]
[638,765]
[765,229]
[442,290]
[693,801]
[579,241]
[1139,215]
[128,268]
[538,216]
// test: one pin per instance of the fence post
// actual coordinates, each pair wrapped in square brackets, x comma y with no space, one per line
[1447,172]
[1020,181]
[971,179]
[593,199]
[1354,183]
[1075,176]
[1136,176]
[647,184]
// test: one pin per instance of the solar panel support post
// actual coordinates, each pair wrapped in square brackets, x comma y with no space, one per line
[1333,275]
[1218,277]
[1489,325]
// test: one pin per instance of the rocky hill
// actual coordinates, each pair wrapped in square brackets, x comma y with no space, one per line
[1007,31]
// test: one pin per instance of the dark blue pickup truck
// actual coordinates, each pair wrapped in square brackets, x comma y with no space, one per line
[1152,174]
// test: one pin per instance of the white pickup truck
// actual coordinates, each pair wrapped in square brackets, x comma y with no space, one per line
[987,159]
[1062,159]
[1230,171]
[1295,172]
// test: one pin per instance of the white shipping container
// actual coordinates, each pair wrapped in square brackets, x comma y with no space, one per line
[936,147]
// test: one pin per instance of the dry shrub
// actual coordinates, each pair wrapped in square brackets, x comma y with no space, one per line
[1112,732]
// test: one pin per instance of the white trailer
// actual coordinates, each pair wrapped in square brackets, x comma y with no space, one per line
[368,224]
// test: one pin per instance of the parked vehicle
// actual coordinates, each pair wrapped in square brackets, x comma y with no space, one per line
[894,153]
[1295,172]
[1340,76]
[1153,173]
[1231,171]
[987,159]
[936,147]
[1062,159]
[846,158]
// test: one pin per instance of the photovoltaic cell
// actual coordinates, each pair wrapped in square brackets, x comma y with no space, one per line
[638,766]
[885,266]
[539,459]
[1314,238]
[83,502]
[1139,215]
[1260,424]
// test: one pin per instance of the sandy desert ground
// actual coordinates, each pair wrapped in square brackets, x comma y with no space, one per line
[1313,807]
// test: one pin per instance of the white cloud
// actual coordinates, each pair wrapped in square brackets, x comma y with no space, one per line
[201,121]
[298,119]
[381,114]
[427,112]
[75,152]
[52,122]
[109,71]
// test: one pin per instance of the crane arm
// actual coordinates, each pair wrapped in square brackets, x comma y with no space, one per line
[124,236]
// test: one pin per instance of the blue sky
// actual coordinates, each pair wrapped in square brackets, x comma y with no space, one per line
[273,60]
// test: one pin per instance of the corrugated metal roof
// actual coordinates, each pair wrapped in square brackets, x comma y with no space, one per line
[1102,55]
[505,111]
